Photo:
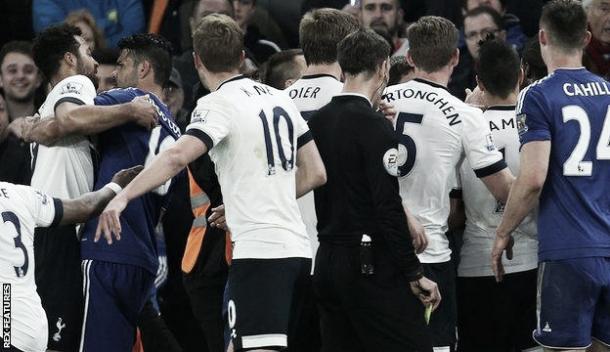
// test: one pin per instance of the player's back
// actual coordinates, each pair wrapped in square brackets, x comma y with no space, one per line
[570,107]
[22,209]
[312,92]
[435,129]
[123,147]
[484,212]
[255,132]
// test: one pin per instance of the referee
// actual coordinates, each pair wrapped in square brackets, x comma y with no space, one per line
[367,278]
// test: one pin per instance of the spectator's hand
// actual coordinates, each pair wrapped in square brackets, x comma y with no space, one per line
[502,242]
[476,98]
[217,219]
[144,112]
[418,234]
[427,292]
[109,221]
[387,110]
[123,177]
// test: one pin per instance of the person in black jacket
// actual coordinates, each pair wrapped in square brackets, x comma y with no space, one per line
[367,277]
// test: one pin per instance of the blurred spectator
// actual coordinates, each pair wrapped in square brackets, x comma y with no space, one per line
[86,23]
[478,24]
[284,68]
[13,152]
[385,15]
[509,22]
[174,98]
[533,66]
[400,71]
[116,18]
[106,58]
[184,63]
[598,50]
[16,15]
[19,78]
[258,45]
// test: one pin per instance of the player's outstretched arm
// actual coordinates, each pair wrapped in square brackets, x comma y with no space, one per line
[74,119]
[80,209]
[523,198]
[163,167]
[311,172]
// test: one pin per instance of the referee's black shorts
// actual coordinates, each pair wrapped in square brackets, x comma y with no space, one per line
[366,313]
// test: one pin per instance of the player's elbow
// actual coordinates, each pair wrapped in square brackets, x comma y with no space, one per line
[176,159]
[534,181]
[319,177]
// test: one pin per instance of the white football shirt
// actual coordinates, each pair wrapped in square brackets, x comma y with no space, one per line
[65,170]
[21,210]
[435,131]
[484,212]
[310,93]
[253,132]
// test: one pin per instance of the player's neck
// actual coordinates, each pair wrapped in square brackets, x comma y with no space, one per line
[491,100]
[19,108]
[558,61]
[214,80]
[324,69]
[439,77]
[359,85]
[151,88]
[63,73]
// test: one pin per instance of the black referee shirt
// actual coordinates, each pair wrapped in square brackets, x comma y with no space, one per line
[360,196]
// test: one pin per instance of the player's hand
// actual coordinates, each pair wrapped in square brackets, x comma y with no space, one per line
[123,177]
[109,221]
[427,292]
[144,112]
[217,219]
[418,234]
[475,98]
[502,242]
[387,110]
[21,126]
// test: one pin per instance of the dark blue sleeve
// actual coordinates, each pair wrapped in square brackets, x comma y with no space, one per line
[532,117]
[131,18]
[114,96]
[46,13]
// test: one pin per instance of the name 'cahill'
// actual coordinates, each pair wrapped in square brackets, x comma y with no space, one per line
[586,89]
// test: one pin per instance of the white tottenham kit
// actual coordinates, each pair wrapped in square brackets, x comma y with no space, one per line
[22,209]
[253,132]
[435,131]
[65,170]
[484,212]
[310,93]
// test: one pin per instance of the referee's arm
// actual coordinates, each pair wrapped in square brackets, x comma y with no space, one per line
[376,140]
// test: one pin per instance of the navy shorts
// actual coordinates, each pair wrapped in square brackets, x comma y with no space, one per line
[114,297]
[573,303]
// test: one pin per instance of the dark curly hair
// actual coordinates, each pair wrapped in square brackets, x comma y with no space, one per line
[498,67]
[152,48]
[50,46]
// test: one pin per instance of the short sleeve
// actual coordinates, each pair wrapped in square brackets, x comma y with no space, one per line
[481,152]
[304,135]
[46,211]
[76,89]
[210,121]
[532,122]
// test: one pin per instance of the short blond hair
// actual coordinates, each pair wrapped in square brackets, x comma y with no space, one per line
[219,42]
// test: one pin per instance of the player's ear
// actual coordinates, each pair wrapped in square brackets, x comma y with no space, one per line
[144,68]
[242,58]
[410,59]
[70,59]
[542,37]
[521,76]
[455,58]
[587,39]
[479,83]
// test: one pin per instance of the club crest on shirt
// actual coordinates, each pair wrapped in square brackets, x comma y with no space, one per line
[490,142]
[71,87]
[521,125]
[199,116]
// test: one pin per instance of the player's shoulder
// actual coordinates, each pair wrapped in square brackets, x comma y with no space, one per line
[74,84]
[536,91]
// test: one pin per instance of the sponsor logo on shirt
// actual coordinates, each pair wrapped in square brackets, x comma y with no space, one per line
[71,87]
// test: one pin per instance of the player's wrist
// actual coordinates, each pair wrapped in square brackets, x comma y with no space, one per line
[114,187]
